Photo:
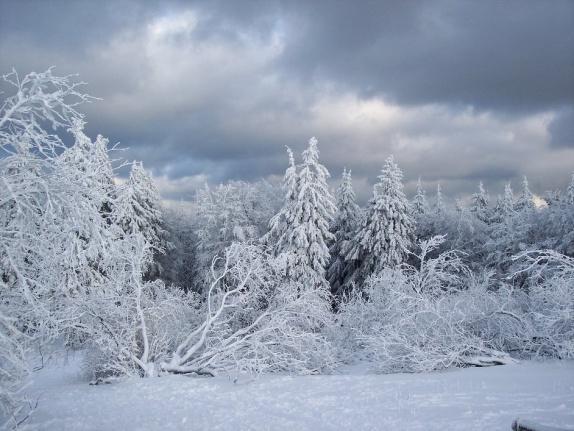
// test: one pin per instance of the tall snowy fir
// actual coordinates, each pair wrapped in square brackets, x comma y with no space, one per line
[137,208]
[302,226]
[343,228]
[570,192]
[280,223]
[479,205]
[439,203]
[419,204]
[526,199]
[386,232]
[507,207]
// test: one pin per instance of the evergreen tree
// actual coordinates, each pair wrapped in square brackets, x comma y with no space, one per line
[137,208]
[526,199]
[419,204]
[343,228]
[507,201]
[91,164]
[302,226]
[459,206]
[439,204]
[387,231]
[497,212]
[280,222]
[480,204]
[570,192]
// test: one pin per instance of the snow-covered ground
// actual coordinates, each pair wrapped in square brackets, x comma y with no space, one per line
[464,399]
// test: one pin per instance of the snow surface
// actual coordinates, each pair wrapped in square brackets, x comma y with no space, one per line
[463,399]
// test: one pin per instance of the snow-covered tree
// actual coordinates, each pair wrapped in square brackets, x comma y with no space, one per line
[138,209]
[44,214]
[386,232]
[419,203]
[280,223]
[508,201]
[343,228]
[480,204]
[504,207]
[570,192]
[439,202]
[526,199]
[302,226]
[236,211]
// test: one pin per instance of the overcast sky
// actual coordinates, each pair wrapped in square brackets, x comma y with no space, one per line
[458,91]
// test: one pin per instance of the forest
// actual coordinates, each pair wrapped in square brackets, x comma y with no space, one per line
[256,277]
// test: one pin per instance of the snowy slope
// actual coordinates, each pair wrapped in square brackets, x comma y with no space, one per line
[469,399]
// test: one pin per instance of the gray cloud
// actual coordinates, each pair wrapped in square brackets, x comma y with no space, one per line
[210,91]
[561,129]
[513,55]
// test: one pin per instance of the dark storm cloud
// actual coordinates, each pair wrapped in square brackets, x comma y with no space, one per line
[214,90]
[514,55]
[562,129]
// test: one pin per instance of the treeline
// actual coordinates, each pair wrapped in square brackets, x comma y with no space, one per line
[253,278]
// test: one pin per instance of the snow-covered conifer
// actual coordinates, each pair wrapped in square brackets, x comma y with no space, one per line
[439,203]
[343,227]
[480,203]
[419,204]
[507,201]
[570,192]
[137,207]
[526,199]
[307,218]
[386,232]
[280,222]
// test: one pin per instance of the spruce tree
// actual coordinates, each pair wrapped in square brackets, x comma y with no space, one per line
[280,222]
[137,208]
[419,204]
[507,201]
[480,204]
[439,204]
[526,198]
[301,229]
[343,228]
[386,233]
[570,192]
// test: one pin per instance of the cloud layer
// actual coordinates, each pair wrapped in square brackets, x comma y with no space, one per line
[458,91]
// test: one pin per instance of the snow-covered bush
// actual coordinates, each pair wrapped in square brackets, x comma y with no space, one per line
[255,320]
[551,303]
[421,318]
[130,324]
